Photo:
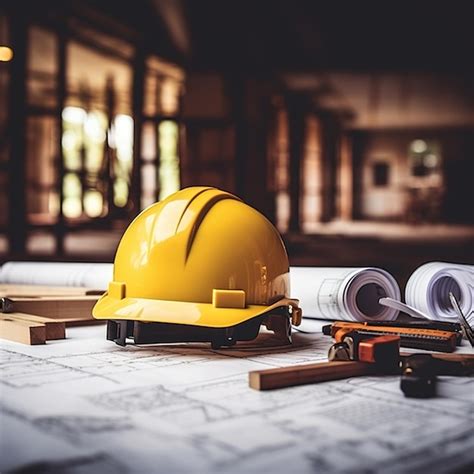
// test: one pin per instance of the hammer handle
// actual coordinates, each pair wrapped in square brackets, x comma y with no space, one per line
[308,373]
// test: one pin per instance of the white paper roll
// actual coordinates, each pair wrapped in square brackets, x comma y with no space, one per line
[89,275]
[429,286]
[350,294]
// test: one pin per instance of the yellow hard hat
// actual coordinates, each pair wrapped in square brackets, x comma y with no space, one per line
[198,266]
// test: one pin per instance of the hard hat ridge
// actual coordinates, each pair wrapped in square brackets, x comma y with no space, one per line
[197,209]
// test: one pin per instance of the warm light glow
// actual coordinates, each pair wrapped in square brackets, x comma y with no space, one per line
[72,207]
[94,126]
[430,160]
[6,53]
[120,192]
[419,146]
[53,204]
[170,96]
[93,203]
[72,190]
[74,115]
[69,141]
[169,159]
[122,128]
[123,137]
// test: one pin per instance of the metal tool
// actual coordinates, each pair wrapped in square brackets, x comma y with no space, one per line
[405,308]
[339,351]
[6,305]
[420,371]
[418,378]
[466,328]
[416,338]
[384,351]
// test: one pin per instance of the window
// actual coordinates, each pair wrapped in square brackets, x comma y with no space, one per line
[160,170]
[42,150]
[97,139]
[168,172]
[425,158]
[381,173]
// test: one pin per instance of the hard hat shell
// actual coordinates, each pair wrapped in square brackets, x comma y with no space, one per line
[200,257]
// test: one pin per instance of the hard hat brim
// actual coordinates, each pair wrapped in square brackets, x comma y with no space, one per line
[178,312]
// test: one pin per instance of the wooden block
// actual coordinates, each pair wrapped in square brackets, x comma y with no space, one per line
[308,373]
[56,307]
[54,329]
[380,350]
[25,332]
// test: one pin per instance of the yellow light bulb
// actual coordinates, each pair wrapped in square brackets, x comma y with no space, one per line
[6,53]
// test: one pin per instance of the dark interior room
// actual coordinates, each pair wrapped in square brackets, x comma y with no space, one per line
[348,125]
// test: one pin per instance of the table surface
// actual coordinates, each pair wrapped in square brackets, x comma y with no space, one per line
[84,404]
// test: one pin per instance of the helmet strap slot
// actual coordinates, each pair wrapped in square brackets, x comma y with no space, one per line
[119,330]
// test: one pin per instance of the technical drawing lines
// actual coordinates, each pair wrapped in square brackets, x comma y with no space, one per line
[74,427]
[140,398]
[20,370]
[160,402]
[101,462]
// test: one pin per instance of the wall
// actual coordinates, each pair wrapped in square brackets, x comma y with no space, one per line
[392,202]
[384,202]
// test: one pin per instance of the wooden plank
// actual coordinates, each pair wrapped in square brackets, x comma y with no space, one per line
[71,322]
[25,332]
[54,329]
[57,307]
[307,373]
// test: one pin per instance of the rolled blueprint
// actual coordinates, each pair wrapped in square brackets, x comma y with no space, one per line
[350,294]
[89,275]
[429,286]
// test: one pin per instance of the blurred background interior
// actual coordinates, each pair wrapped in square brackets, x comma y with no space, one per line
[348,124]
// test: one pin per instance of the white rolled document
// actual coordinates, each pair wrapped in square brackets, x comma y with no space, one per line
[353,294]
[429,286]
[89,275]
[350,294]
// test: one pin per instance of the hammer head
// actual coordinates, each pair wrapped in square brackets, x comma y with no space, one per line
[419,376]
[384,351]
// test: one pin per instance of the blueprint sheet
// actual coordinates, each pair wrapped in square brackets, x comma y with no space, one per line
[85,405]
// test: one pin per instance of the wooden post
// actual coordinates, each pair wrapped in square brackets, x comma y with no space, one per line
[61,94]
[297,110]
[345,179]
[109,153]
[238,100]
[358,143]
[17,223]
[137,111]
[329,161]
